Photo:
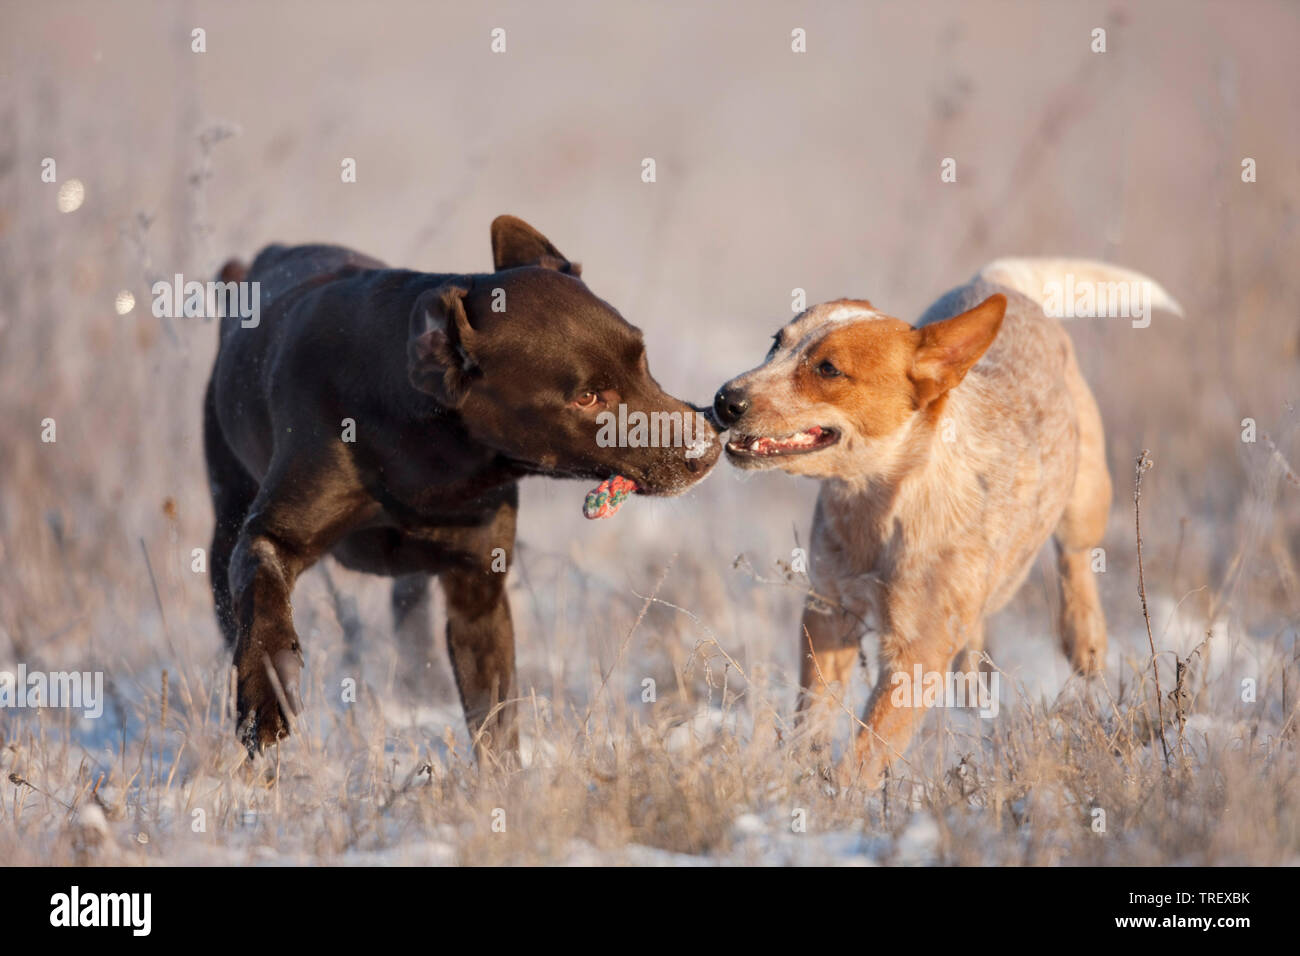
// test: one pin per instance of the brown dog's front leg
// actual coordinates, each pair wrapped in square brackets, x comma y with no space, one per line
[268,657]
[286,531]
[481,644]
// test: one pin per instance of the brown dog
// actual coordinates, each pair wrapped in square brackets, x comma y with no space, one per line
[385,417]
[949,452]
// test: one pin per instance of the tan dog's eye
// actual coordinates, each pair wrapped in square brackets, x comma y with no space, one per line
[587,400]
[827,370]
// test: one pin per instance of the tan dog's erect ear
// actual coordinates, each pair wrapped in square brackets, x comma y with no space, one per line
[946,350]
[515,243]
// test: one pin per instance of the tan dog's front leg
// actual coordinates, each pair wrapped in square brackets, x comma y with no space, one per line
[828,651]
[895,711]
[890,726]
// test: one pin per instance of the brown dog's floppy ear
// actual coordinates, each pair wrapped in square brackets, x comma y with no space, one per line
[515,243]
[946,350]
[439,351]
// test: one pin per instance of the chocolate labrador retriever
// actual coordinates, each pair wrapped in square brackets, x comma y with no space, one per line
[385,416]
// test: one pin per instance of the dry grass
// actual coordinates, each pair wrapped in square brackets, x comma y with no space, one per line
[650,784]
[710,771]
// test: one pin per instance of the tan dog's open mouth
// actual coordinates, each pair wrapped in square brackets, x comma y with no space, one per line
[766,446]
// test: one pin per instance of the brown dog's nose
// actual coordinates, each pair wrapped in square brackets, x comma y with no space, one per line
[729,404]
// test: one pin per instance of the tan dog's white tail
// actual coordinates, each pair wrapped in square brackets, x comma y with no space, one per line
[1030,276]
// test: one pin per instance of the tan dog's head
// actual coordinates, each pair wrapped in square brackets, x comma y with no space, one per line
[844,386]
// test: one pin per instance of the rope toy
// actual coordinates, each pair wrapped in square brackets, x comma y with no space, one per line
[608,497]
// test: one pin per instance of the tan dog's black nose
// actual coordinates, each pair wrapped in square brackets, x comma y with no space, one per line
[729,404]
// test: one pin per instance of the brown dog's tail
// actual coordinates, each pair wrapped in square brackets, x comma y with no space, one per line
[233,271]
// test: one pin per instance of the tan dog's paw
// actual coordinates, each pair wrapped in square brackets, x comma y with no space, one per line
[1085,643]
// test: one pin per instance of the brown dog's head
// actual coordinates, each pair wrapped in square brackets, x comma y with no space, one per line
[844,386]
[550,376]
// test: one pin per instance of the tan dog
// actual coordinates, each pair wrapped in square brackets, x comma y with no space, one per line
[949,452]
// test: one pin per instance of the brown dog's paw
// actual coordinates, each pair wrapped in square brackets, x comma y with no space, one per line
[262,719]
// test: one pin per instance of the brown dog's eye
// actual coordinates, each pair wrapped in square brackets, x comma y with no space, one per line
[827,370]
[587,400]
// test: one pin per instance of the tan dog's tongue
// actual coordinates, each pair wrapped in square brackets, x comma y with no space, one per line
[607,497]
